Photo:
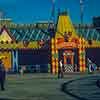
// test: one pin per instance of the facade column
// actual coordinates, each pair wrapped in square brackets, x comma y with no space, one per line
[56,55]
[84,56]
[82,62]
[53,64]
[80,55]
[72,59]
[15,60]
[65,57]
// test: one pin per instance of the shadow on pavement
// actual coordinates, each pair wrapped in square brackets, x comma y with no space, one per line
[65,89]
[5,99]
[98,83]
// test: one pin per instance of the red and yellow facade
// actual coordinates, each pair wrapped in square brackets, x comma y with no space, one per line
[65,29]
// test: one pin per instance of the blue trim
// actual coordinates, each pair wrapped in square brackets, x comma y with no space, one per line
[15,60]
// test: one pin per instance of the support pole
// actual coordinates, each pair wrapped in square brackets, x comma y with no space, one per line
[82,62]
[15,60]
[53,64]
[56,55]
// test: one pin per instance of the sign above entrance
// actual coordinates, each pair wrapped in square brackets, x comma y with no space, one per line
[66,45]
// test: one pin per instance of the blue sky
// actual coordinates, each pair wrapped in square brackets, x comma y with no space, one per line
[30,11]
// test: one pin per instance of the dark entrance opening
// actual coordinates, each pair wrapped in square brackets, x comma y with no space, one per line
[35,60]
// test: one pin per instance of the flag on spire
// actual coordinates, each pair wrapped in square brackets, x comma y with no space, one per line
[53,1]
[81,10]
[53,8]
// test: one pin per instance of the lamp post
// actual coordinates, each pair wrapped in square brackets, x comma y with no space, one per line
[81,16]
[81,11]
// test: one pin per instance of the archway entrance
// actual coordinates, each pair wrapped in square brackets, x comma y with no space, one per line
[68,56]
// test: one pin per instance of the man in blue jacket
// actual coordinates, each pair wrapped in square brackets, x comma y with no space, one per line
[2,75]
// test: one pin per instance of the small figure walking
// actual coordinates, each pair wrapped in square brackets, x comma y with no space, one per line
[60,70]
[2,75]
[89,64]
[22,70]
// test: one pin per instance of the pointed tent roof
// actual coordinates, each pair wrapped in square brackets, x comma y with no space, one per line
[65,26]
[5,35]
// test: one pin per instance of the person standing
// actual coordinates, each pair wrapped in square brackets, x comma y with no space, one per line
[89,63]
[2,75]
[60,70]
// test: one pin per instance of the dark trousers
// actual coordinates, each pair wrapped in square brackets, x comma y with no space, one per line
[60,74]
[2,84]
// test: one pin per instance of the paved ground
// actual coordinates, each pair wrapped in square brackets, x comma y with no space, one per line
[85,88]
[48,87]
